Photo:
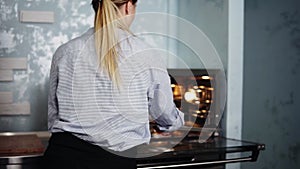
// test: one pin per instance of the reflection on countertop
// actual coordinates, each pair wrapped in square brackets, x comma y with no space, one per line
[163,152]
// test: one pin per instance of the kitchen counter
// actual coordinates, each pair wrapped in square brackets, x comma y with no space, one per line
[188,153]
[217,150]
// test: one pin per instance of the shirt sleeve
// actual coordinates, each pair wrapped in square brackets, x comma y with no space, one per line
[53,82]
[161,106]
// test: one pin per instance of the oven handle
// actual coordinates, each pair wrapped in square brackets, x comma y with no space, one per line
[234,160]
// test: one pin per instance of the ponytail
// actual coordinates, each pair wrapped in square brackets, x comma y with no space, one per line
[106,41]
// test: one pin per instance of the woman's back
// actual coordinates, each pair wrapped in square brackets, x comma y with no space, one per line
[92,107]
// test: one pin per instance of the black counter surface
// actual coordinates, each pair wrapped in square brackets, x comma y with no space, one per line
[217,150]
[163,153]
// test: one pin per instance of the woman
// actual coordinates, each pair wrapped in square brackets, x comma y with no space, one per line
[103,87]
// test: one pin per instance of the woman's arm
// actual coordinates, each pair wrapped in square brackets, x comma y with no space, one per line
[53,82]
[161,106]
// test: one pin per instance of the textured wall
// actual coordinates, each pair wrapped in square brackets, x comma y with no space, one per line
[36,42]
[272,79]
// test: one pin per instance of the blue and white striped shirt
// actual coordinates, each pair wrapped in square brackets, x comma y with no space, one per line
[83,100]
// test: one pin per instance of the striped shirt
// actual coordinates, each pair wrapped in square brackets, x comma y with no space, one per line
[84,101]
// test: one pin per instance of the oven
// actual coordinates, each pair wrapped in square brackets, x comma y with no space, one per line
[201,143]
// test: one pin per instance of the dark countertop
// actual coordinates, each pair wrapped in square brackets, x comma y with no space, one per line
[215,151]
[165,153]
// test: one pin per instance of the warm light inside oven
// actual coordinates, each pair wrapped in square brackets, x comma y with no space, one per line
[190,96]
[198,111]
[202,87]
[205,77]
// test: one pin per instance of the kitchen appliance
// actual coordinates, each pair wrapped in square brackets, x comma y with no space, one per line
[200,95]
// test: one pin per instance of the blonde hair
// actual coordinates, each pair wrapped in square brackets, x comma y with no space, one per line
[106,41]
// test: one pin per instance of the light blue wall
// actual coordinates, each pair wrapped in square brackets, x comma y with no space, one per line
[36,42]
[211,17]
[271,82]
